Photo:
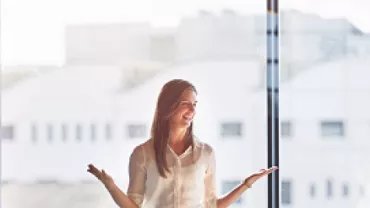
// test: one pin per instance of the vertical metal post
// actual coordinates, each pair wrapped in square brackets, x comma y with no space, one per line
[272,85]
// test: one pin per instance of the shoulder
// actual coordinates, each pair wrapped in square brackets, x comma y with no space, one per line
[142,149]
[208,154]
[207,149]
[144,145]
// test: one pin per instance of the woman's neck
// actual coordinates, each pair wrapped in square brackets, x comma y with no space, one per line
[178,141]
[177,136]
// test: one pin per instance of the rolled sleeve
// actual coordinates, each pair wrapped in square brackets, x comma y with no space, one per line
[137,175]
[210,179]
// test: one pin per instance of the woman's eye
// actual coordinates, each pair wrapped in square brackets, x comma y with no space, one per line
[188,104]
[183,104]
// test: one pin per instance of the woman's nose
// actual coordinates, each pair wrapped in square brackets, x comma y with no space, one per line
[192,108]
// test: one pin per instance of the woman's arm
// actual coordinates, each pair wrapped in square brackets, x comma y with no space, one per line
[210,183]
[136,188]
[232,196]
[118,196]
[122,200]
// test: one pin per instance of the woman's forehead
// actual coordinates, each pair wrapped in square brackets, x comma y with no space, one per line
[189,95]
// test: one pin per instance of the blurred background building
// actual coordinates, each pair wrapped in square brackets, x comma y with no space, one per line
[100,105]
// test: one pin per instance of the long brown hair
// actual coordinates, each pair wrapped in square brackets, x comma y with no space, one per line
[168,101]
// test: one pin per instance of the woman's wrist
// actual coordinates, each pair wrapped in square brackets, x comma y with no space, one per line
[109,185]
[246,184]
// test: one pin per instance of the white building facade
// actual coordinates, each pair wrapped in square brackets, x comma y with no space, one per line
[56,124]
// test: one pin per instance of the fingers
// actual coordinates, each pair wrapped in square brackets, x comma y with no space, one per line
[272,169]
[91,166]
[104,173]
[101,175]
[93,170]
[264,172]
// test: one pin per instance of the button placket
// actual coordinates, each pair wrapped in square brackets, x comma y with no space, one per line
[178,181]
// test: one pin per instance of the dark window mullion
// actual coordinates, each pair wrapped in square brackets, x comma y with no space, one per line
[272,82]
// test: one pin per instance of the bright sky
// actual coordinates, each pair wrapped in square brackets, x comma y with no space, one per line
[32,31]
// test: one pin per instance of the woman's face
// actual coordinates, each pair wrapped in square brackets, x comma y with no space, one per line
[185,111]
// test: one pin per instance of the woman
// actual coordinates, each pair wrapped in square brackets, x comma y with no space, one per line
[173,168]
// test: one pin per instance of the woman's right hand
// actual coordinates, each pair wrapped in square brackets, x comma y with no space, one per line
[121,199]
[106,179]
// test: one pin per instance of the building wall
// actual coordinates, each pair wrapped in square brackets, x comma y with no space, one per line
[107,44]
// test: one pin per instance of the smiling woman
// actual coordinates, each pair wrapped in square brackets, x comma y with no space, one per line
[173,168]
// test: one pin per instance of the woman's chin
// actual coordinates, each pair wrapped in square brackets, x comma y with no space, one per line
[185,124]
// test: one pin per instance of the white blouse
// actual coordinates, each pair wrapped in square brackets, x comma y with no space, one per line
[188,185]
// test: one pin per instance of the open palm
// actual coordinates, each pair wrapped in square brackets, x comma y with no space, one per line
[101,175]
[254,177]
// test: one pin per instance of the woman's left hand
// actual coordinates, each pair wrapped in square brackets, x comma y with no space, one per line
[254,177]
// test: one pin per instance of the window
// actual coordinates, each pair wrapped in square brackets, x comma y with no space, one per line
[108,132]
[34,133]
[329,189]
[345,190]
[312,190]
[332,129]
[5,182]
[228,185]
[49,132]
[7,132]
[286,129]
[93,132]
[64,132]
[136,130]
[79,132]
[231,129]
[362,191]
[286,192]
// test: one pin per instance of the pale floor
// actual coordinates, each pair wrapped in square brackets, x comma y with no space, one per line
[55,196]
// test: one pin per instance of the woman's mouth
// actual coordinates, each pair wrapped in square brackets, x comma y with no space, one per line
[187,118]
